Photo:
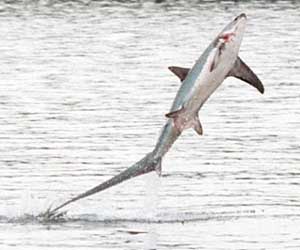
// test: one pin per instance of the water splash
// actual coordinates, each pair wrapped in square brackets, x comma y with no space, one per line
[151,201]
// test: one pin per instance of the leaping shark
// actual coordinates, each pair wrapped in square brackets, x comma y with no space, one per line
[219,61]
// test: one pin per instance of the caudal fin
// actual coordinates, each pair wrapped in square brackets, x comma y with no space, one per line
[145,165]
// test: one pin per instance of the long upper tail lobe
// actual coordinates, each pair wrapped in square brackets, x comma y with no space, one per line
[143,166]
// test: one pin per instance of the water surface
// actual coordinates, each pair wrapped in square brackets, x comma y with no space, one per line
[84,89]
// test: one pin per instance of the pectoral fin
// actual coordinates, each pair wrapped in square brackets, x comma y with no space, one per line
[242,71]
[180,72]
[197,125]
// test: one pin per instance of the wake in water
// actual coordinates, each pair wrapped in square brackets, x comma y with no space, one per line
[160,218]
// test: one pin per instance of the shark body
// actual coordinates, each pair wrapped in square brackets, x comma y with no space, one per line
[218,61]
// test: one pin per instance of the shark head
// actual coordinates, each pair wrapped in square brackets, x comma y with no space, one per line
[231,36]
[228,41]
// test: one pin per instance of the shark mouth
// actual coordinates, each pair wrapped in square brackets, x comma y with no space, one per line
[227,37]
[221,42]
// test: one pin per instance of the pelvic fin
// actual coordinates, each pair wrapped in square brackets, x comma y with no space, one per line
[197,125]
[176,113]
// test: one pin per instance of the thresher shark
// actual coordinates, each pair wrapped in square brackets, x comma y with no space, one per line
[219,61]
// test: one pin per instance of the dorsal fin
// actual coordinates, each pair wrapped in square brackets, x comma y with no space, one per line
[242,71]
[180,72]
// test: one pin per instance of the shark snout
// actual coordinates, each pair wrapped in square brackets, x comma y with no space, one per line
[233,28]
[243,15]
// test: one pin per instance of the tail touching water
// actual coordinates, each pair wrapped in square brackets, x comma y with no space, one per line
[144,166]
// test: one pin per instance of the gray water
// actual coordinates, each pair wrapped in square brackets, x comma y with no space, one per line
[84,89]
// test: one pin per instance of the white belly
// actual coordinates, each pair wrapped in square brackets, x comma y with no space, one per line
[208,82]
